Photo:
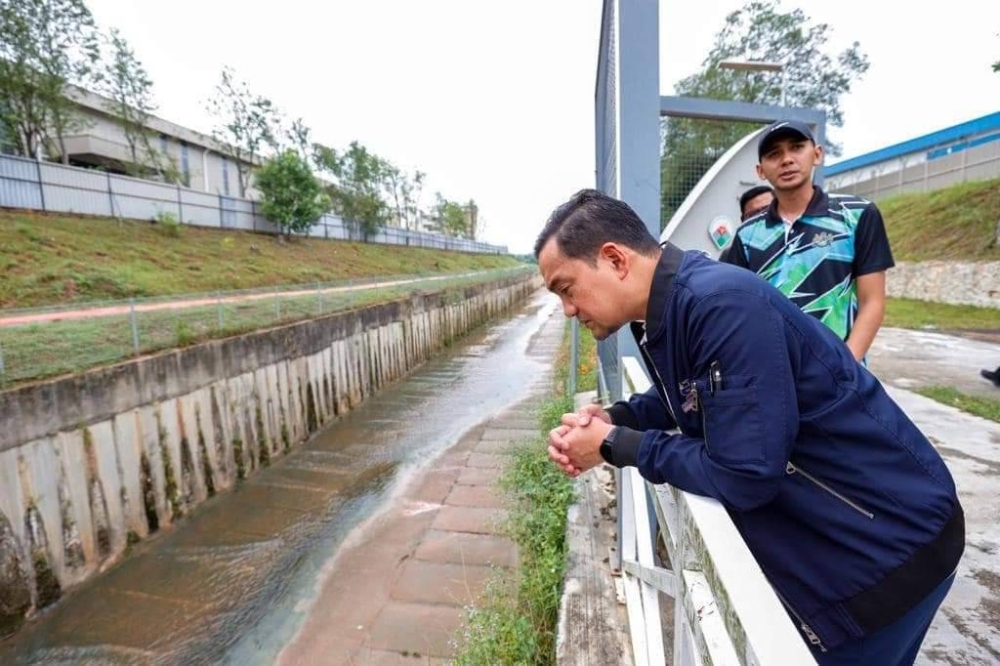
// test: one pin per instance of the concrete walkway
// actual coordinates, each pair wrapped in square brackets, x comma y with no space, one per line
[967,628]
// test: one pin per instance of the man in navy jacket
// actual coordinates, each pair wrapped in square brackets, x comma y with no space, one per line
[848,509]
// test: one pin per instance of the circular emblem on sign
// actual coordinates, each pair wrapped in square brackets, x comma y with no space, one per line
[721,231]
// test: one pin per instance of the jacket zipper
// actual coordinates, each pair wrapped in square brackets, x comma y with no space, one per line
[806,629]
[663,387]
[792,469]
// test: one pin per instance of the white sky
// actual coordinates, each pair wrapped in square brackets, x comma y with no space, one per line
[494,100]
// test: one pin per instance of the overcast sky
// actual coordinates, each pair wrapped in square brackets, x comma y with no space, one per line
[494,100]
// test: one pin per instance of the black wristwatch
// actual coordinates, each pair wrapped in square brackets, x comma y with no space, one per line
[609,441]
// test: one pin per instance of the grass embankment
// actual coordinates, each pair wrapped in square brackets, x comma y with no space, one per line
[956,223]
[47,260]
[911,313]
[517,623]
[46,349]
[975,405]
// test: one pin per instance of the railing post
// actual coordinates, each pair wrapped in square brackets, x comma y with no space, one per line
[135,325]
[41,185]
[111,197]
[180,205]
[3,368]
[319,298]
[277,306]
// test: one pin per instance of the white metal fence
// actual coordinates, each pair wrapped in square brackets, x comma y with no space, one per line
[48,186]
[725,611]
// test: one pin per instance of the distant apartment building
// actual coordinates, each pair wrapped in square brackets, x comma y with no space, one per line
[967,151]
[199,160]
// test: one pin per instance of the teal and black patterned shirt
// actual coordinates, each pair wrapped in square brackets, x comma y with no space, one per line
[816,261]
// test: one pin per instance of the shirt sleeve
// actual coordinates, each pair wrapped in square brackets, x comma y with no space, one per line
[736,254]
[871,244]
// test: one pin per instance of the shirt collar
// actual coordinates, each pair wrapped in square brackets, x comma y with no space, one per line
[818,206]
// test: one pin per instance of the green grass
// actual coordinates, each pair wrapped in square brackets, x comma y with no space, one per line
[910,313]
[982,407]
[586,378]
[518,626]
[48,349]
[47,260]
[956,223]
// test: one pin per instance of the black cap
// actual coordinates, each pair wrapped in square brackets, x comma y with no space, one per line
[780,129]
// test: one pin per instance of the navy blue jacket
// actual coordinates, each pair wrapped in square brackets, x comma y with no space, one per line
[849,510]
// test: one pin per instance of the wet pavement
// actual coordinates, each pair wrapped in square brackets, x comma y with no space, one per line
[255,569]
[911,359]
[966,630]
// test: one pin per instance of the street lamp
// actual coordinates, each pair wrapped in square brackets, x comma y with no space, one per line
[758,66]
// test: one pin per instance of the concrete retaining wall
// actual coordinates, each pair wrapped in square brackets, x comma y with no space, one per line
[93,462]
[960,283]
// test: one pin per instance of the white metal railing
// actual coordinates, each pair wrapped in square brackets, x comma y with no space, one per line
[725,611]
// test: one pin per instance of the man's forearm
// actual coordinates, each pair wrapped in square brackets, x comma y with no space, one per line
[865,327]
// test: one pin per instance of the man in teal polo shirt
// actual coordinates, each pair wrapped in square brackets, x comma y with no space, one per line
[828,253]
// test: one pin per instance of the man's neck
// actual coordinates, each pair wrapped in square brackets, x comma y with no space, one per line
[791,205]
[646,266]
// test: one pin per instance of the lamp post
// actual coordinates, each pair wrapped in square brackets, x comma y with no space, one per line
[758,66]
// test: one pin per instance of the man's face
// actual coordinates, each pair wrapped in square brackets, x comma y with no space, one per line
[590,293]
[756,204]
[789,162]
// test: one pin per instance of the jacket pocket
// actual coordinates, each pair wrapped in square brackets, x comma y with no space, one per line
[792,468]
[732,425]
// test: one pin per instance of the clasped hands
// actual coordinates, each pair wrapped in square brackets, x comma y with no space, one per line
[575,445]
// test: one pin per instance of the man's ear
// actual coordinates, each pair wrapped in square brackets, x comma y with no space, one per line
[617,256]
[818,158]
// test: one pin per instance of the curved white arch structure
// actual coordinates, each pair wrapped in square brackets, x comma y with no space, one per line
[714,201]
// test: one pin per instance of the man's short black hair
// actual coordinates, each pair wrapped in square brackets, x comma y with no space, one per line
[589,220]
[753,192]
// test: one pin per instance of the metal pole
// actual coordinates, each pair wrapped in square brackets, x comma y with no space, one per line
[222,218]
[277,305]
[218,301]
[3,368]
[41,186]
[574,355]
[135,325]
[319,294]
[111,197]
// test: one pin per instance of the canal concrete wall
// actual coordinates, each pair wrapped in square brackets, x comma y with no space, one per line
[92,463]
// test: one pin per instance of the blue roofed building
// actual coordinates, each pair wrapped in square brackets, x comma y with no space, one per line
[963,152]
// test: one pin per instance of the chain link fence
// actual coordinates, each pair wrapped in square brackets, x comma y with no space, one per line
[689,148]
[44,342]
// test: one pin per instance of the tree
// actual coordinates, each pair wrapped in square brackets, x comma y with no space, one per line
[760,31]
[44,45]
[472,211]
[298,135]
[452,218]
[357,193]
[293,198]
[127,83]
[247,124]
[403,192]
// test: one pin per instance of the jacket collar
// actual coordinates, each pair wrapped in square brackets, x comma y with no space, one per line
[818,206]
[662,287]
